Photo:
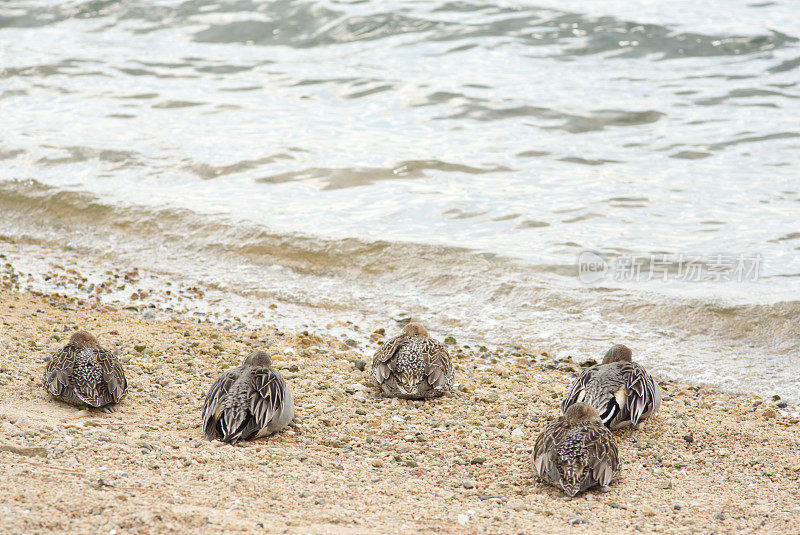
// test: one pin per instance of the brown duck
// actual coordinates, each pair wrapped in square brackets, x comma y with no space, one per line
[83,373]
[576,451]
[413,365]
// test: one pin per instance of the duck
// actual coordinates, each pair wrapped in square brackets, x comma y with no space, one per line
[412,365]
[576,451]
[84,374]
[247,402]
[621,390]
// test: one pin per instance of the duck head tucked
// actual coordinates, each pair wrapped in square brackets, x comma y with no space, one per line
[618,353]
[83,339]
[414,329]
[259,359]
[579,413]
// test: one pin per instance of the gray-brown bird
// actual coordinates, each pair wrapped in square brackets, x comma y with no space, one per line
[622,391]
[83,373]
[576,451]
[413,365]
[247,402]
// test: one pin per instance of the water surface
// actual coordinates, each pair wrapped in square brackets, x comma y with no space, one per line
[450,159]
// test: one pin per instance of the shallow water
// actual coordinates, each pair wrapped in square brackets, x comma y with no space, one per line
[451,159]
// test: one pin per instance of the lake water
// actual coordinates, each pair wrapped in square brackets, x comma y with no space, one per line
[448,159]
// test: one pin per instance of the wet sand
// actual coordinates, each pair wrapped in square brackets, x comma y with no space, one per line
[354,462]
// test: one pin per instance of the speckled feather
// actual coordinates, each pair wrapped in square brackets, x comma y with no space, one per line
[413,367]
[623,393]
[576,457]
[83,375]
[247,402]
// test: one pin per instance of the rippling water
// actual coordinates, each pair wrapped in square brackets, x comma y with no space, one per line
[451,159]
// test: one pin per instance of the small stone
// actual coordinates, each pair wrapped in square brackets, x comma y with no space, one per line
[411,463]
[350,342]
[360,365]
[402,317]
[467,484]
[688,438]
[517,435]
[55,337]
[781,404]
[578,520]
[377,463]
[478,460]
[666,484]
[450,340]
[720,516]
[677,507]
[139,347]
[516,504]
[361,412]
[588,363]
[463,519]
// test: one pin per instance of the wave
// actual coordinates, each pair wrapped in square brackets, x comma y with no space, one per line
[34,211]
[307,24]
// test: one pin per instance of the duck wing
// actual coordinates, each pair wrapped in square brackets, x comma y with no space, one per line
[545,449]
[439,367]
[116,385]
[58,371]
[215,402]
[644,394]
[266,400]
[603,454]
[382,361]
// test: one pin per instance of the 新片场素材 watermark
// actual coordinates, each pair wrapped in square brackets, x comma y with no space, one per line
[719,267]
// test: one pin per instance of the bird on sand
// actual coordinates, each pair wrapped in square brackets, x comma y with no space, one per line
[83,373]
[413,365]
[247,402]
[576,451]
[621,390]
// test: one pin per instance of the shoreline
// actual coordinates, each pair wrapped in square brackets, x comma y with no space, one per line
[163,294]
[354,462]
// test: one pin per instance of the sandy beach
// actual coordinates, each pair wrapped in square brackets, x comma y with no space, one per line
[533,182]
[353,461]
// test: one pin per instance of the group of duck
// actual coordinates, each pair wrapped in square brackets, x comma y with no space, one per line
[574,452]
